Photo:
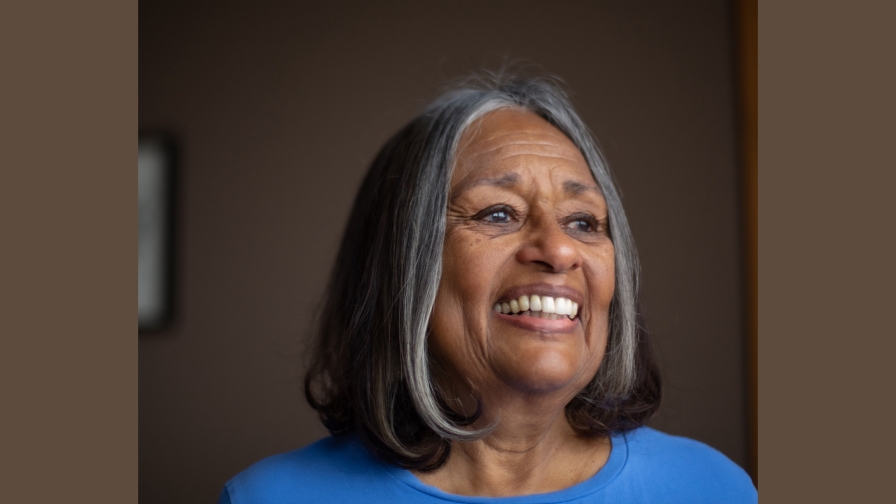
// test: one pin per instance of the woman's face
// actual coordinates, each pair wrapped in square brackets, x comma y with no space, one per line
[526,225]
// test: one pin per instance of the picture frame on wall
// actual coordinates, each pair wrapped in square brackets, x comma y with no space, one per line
[155,189]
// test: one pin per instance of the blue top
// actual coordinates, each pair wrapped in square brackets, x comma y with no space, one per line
[645,465]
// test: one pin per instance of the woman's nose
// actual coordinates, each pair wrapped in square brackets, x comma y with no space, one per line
[549,246]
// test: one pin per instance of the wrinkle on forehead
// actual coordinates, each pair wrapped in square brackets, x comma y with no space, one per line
[501,152]
[513,132]
[511,137]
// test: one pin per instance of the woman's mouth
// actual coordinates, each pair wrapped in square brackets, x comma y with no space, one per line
[545,307]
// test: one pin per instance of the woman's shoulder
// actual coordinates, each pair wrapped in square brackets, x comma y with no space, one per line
[327,463]
[661,447]
[677,465]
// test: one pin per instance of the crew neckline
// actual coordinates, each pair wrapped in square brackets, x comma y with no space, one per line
[606,474]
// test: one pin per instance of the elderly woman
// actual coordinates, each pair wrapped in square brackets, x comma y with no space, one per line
[481,340]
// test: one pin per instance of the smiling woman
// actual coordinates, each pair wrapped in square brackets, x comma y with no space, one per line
[481,339]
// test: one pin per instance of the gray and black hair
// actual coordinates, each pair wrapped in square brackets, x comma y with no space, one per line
[370,372]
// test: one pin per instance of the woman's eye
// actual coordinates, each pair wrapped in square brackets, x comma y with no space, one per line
[580,225]
[498,216]
[583,224]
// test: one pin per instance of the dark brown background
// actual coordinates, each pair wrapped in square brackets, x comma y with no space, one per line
[278,109]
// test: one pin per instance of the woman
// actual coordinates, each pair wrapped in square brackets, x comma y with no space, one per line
[481,339]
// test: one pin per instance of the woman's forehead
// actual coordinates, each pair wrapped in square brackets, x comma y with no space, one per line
[509,141]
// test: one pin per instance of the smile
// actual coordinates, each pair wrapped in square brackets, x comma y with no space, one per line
[545,307]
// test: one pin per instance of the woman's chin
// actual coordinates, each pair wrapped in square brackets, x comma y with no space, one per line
[543,371]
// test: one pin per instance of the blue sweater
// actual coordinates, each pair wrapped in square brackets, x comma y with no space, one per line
[645,465]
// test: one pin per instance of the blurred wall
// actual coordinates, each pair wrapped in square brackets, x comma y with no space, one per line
[278,109]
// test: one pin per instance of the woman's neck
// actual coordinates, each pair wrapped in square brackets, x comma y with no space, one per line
[528,452]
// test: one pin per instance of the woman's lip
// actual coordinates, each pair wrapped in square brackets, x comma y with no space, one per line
[561,325]
[541,289]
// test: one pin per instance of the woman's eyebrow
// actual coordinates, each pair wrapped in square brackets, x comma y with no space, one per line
[577,188]
[509,180]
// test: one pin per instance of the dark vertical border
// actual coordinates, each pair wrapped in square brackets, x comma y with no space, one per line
[68,342]
[746,29]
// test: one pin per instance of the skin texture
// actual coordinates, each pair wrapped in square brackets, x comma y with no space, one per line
[525,216]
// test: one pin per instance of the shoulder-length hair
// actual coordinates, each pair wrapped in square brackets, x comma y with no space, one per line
[370,372]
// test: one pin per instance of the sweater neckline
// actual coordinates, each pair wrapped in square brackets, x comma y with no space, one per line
[614,465]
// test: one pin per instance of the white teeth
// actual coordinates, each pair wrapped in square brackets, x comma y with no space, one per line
[560,305]
[546,307]
[535,303]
